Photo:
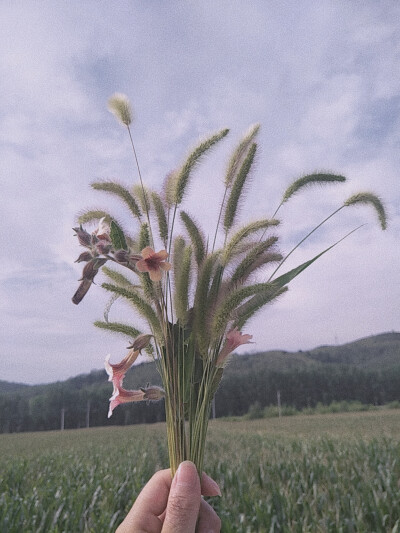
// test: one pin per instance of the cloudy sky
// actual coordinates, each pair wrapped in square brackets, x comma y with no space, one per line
[323,79]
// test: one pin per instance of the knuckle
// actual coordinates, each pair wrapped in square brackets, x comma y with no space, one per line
[178,507]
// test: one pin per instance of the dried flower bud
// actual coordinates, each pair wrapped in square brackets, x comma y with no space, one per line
[89,271]
[140,342]
[91,268]
[85,239]
[153,393]
[103,247]
[122,256]
[81,291]
[85,256]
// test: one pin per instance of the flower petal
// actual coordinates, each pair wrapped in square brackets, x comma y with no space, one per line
[165,266]
[124,396]
[162,254]
[155,275]
[108,367]
[142,266]
[147,252]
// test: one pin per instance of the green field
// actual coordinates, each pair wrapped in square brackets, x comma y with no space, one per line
[336,473]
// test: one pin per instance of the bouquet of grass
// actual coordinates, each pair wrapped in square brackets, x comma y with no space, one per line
[197,293]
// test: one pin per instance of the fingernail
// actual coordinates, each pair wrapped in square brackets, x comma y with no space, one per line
[219,493]
[215,487]
[186,475]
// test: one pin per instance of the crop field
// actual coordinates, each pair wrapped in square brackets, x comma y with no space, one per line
[320,473]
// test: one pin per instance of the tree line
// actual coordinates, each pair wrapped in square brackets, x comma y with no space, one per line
[83,401]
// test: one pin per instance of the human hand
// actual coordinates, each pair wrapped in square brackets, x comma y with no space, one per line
[168,505]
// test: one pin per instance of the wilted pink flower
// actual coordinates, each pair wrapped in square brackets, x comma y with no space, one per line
[233,339]
[116,372]
[153,263]
[124,396]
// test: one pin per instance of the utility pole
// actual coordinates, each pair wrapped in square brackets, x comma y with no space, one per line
[87,413]
[62,418]
[213,408]
[278,395]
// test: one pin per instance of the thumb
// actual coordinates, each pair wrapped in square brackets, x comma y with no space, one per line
[183,501]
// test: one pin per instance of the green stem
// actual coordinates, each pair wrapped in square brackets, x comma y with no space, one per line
[219,218]
[141,183]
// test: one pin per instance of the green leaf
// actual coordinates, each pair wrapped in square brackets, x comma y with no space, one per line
[117,237]
[287,278]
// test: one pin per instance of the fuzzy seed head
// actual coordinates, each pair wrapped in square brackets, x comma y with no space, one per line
[120,106]
[369,198]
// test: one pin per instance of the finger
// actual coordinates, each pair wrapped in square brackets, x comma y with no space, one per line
[209,521]
[208,486]
[184,500]
[150,503]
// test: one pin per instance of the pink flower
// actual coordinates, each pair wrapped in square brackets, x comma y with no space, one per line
[117,371]
[124,396]
[153,263]
[233,339]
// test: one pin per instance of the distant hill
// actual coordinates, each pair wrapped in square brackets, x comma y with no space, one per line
[379,352]
[10,387]
[375,353]
[366,370]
